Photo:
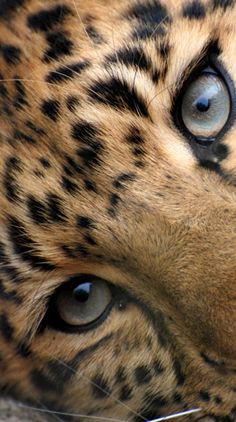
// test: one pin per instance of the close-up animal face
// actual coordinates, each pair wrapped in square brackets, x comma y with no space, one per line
[118,208]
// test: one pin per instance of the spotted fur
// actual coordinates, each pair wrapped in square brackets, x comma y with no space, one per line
[95,178]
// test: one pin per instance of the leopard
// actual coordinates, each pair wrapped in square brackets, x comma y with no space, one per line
[118,208]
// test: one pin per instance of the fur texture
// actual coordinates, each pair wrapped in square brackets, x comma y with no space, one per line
[96,179]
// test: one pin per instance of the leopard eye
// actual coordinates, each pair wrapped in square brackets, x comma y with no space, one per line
[82,303]
[205,106]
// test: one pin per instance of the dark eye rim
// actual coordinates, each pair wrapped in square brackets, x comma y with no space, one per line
[209,65]
[52,317]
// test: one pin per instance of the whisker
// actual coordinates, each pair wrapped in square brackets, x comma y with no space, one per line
[82,23]
[104,418]
[102,389]
[74,415]
[158,93]
[45,408]
[176,415]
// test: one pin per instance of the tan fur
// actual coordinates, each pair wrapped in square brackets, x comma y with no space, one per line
[178,236]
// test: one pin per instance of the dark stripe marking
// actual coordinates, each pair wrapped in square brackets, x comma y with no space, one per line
[118,94]
[46,19]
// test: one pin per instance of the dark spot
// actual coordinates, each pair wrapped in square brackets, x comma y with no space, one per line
[164,49]
[37,210]
[211,165]
[72,166]
[10,53]
[194,10]
[45,163]
[134,136]
[155,76]
[8,270]
[152,408]
[155,401]
[142,374]
[72,102]
[64,73]
[139,164]
[20,98]
[21,136]
[177,397]
[6,329]
[68,185]
[125,393]
[59,45]
[121,181]
[43,382]
[204,396]
[3,89]
[217,399]
[89,157]
[221,151]
[11,177]
[25,247]
[128,56]
[120,375]
[144,31]
[81,250]
[46,19]
[118,94]
[90,186]
[50,108]
[100,388]
[87,134]
[10,295]
[149,12]
[178,372]
[223,4]
[158,368]
[23,350]
[138,151]
[94,34]
[212,362]
[84,132]
[90,240]
[84,222]
[8,6]
[60,372]
[114,199]
[68,251]
[55,209]
[34,128]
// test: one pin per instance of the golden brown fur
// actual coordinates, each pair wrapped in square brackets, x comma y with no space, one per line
[169,240]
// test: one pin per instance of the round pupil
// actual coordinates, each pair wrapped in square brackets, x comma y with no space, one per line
[202,104]
[82,292]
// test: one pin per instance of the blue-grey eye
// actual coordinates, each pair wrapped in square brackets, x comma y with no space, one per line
[84,303]
[205,106]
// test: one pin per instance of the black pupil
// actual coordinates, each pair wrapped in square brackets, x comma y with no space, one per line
[82,292]
[202,104]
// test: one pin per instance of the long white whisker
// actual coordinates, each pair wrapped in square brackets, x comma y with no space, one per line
[176,415]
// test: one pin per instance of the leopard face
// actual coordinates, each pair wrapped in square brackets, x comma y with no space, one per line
[118,207]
